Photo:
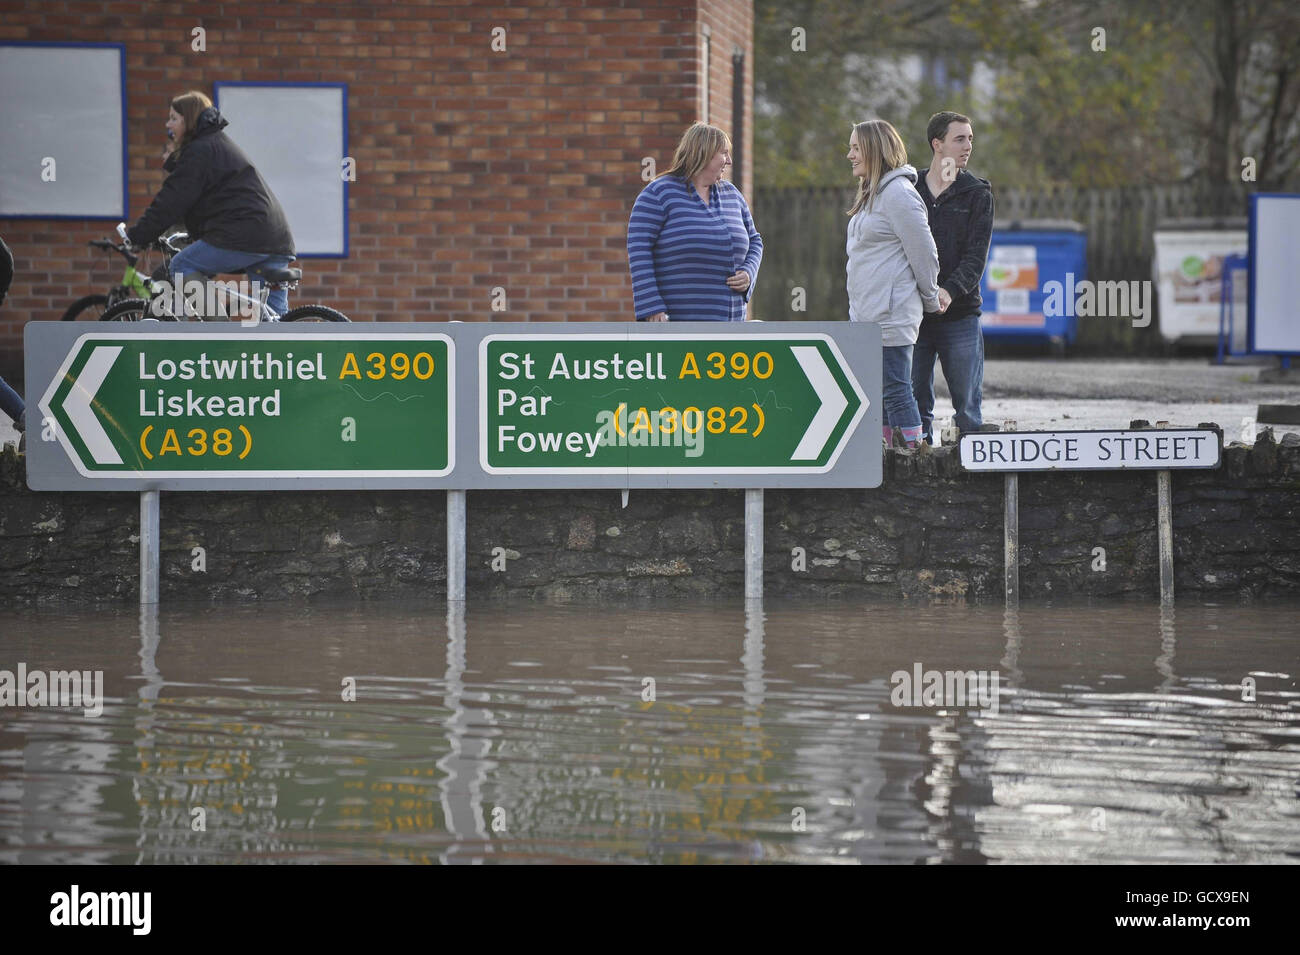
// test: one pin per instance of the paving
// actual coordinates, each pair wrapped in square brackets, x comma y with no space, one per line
[1088,394]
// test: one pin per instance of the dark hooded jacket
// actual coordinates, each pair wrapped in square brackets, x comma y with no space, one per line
[961,221]
[213,188]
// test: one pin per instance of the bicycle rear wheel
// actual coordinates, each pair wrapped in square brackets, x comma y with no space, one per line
[133,310]
[314,313]
[86,308]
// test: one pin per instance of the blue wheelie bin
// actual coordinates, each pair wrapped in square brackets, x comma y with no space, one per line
[1024,256]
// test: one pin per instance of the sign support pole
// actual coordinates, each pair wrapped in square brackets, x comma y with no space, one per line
[1165,531]
[150,528]
[1011,535]
[455,546]
[754,544]
[1011,531]
[1164,518]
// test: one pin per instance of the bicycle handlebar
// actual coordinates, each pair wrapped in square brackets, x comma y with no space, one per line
[121,250]
[127,251]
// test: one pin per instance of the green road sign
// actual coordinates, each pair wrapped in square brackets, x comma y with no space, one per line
[665,403]
[254,405]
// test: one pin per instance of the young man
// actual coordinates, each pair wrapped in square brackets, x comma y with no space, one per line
[961,219]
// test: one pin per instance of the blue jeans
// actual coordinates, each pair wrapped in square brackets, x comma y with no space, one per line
[896,374]
[959,346]
[199,257]
[11,403]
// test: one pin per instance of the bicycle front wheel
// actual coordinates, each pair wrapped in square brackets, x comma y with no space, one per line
[314,313]
[86,308]
[132,310]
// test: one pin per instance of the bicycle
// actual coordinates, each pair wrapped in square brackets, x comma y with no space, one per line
[157,306]
[134,284]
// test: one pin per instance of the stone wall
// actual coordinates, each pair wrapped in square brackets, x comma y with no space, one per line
[930,531]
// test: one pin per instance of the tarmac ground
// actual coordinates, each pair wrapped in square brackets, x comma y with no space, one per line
[1089,394]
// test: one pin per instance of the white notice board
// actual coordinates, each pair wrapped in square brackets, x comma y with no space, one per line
[63,130]
[1188,268]
[1274,264]
[296,136]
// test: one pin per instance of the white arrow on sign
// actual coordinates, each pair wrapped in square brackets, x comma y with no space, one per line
[83,392]
[832,399]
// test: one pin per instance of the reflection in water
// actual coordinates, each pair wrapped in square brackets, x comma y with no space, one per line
[527,733]
[752,660]
[145,739]
[1011,675]
[465,764]
[1168,644]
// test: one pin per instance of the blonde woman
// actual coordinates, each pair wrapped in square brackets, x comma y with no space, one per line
[893,266]
[691,243]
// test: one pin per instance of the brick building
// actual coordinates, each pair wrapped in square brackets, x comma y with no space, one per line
[476,169]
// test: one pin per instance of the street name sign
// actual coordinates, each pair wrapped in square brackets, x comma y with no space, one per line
[707,407]
[1158,450]
[211,406]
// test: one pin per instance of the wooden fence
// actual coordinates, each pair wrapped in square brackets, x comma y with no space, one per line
[804,231]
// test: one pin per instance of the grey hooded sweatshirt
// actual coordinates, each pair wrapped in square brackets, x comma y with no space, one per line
[893,264]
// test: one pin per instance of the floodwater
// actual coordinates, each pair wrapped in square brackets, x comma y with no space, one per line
[708,732]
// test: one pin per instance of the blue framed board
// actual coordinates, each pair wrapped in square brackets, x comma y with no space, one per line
[1274,263]
[63,116]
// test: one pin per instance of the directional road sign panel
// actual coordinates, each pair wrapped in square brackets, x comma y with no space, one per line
[676,404]
[141,407]
[575,404]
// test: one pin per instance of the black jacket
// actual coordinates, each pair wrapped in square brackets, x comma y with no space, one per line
[215,190]
[961,221]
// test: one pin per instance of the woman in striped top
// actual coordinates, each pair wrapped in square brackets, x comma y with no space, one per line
[691,242]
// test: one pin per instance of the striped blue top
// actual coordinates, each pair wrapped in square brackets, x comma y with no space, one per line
[682,252]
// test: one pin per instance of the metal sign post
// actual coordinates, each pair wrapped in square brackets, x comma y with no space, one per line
[455,545]
[1011,532]
[150,546]
[1165,522]
[754,544]
[1165,530]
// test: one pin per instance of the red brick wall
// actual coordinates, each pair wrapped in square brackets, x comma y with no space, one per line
[731,26]
[475,169]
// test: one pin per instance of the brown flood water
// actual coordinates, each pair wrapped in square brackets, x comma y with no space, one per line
[525,733]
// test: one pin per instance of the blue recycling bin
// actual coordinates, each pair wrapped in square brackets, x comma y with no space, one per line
[1025,257]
